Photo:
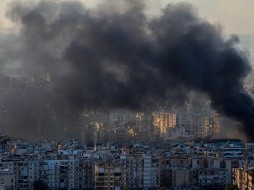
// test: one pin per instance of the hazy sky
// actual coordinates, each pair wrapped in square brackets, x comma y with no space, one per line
[236,16]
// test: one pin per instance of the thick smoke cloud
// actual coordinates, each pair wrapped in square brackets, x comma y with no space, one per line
[119,57]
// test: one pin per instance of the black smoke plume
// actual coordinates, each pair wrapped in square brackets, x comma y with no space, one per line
[116,56]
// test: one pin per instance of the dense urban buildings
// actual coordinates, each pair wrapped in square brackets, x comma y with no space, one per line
[121,96]
[167,147]
[175,164]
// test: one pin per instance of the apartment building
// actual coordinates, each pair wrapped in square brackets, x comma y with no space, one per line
[151,172]
[108,176]
[243,178]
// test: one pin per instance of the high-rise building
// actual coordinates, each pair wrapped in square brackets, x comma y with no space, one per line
[187,123]
[243,178]
[107,176]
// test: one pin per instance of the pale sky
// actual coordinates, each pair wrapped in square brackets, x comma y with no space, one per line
[235,16]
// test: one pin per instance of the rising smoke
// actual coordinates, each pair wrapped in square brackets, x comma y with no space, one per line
[117,57]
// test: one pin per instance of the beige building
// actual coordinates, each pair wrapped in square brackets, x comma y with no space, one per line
[163,121]
[187,124]
[243,178]
[107,176]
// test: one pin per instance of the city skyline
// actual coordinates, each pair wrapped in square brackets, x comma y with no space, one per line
[130,94]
